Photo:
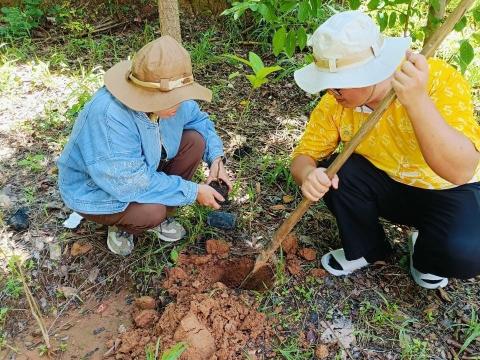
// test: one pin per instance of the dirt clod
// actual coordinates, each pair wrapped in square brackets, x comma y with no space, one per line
[217,247]
[318,273]
[145,318]
[222,187]
[145,303]
[290,244]
[294,266]
[201,344]
[308,254]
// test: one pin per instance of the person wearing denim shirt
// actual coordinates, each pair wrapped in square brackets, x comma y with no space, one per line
[136,145]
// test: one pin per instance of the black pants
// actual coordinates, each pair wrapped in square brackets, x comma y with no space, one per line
[448,221]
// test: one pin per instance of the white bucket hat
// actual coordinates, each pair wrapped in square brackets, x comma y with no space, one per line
[350,52]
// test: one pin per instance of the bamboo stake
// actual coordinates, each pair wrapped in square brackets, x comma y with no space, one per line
[428,50]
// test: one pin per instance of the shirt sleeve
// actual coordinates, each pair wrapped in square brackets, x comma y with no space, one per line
[453,99]
[200,121]
[321,135]
[123,172]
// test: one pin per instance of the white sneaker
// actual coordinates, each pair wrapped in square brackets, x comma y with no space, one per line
[119,242]
[170,230]
[427,281]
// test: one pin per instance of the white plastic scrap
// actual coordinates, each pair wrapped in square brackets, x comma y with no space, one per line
[73,220]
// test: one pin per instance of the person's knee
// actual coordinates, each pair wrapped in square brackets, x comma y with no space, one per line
[194,142]
[461,256]
[148,216]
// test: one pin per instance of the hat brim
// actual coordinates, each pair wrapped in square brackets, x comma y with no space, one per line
[149,100]
[312,80]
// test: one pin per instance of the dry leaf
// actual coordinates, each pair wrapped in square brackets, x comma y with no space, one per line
[444,295]
[287,199]
[278,207]
[321,352]
[80,248]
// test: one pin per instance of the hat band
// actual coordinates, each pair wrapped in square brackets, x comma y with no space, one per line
[332,65]
[164,84]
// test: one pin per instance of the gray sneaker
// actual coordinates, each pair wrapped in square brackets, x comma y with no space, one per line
[119,242]
[170,230]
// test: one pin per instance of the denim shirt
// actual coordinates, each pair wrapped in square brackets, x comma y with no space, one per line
[113,153]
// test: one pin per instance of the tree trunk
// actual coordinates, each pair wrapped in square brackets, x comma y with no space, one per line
[434,18]
[169,19]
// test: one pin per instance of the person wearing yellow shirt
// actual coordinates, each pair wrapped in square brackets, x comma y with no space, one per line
[419,166]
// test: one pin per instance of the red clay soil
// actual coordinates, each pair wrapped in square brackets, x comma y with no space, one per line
[216,322]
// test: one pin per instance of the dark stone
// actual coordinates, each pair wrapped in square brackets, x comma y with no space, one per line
[222,220]
[222,187]
[98,331]
[19,220]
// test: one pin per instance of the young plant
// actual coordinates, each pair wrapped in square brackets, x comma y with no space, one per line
[257,79]
[174,352]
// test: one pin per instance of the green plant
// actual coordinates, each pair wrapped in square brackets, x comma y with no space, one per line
[33,162]
[260,71]
[150,353]
[412,348]
[257,79]
[43,350]
[285,22]
[63,347]
[22,19]
[174,352]
[473,331]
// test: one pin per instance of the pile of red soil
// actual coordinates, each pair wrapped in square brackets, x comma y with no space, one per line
[215,322]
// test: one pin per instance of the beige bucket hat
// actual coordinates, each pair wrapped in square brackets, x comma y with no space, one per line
[350,52]
[159,77]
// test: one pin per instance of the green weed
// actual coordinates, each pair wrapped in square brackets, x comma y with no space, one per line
[412,348]
[33,162]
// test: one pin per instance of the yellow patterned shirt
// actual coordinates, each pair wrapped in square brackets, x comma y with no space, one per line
[392,145]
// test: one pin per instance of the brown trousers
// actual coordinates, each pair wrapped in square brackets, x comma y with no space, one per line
[139,217]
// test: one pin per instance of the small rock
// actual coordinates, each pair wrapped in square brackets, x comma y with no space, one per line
[122,328]
[308,254]
[98,331]
[93,274]
[55,251]
[79,248]
[222,220]
[146,318]
[5,201]
[54,205]
[145,303]
[321,352]
[311,336]
[68,291]
[19,221]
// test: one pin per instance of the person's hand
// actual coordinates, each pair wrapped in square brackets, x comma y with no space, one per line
[208,196]
[317,183]
[218,172]
[410,81]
